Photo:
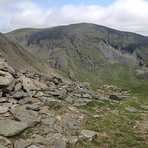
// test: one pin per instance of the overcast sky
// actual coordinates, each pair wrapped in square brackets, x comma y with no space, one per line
[125,15]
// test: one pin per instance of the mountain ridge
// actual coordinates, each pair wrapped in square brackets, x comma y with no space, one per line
[83,49]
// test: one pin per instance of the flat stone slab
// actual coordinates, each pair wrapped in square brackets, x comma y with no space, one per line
[11,127]
[145,125]
[87,134]
[143,106]
[40,139]
[22,144]
[3,99]
[26,116]
[131,109]
[3,110]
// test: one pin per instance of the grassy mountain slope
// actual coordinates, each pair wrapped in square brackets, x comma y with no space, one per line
[86,52]
[19,58]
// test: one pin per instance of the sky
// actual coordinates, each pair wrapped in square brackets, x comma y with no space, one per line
[124,15]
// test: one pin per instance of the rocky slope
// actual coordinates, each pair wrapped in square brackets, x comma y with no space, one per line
[19,58]
[86,51]
[42,111]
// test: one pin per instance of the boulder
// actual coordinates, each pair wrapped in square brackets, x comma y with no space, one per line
[22,144]
[5,67]
[27,116]
[131,109]
[28,84]
[59,143]
[3,100]
[87,134]
[25,100]
[116,96]
[48,121]
[33,107]
[6,81]
[11,127]
[71,139]
[104,98]
[20,95]
[143,106]
[17,87]
[3,110]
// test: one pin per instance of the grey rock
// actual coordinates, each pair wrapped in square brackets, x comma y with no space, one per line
[58,128]
[48,130]
[4,141]
[22,144]
[3,110]
[25,100]
[49,100]
[20,95]
[5,67]
[13,101]
[116,96]
[83,100]
[8,105]
[69,99]
[87,134]
[11,127]
[48,121]
[3,99]
[27,116]
[145,125]
[71,139]
[17,87]
[54,136]
[131,109]
[28,84]
[39,94]
[40,139]
[43,110]
[86,96]
[6,81]
[59,143]
[32,93]
[143,106]
[33,107]
[104,98]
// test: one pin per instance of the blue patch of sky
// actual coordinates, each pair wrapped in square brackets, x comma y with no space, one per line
[2,21]
[60,3]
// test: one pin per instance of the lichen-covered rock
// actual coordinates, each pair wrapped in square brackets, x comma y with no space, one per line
[11,127]
[28,84]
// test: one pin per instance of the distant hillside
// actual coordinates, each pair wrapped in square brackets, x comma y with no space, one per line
[19,58]
[86,51]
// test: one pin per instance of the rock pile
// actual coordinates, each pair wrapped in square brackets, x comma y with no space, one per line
[28,103]
[26,106]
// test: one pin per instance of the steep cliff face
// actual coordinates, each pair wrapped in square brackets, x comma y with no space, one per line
[19,58]
[84,49]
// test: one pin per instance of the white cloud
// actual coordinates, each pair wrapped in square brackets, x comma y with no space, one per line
[126,15]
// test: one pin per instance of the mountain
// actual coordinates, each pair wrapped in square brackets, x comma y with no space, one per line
[86,52]
[19,58]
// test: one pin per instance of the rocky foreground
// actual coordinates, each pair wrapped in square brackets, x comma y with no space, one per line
[41,111]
